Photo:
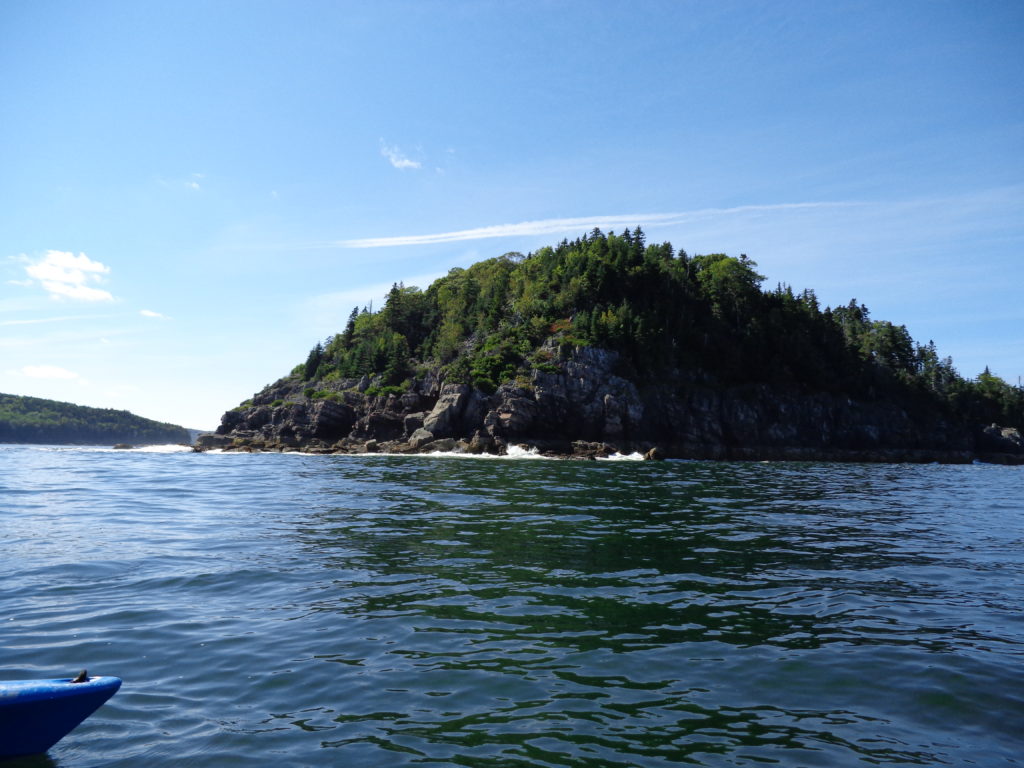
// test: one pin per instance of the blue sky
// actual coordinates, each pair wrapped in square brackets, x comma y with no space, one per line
[193,193]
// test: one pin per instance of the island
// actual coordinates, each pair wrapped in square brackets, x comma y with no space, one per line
[50,422]
[607,344]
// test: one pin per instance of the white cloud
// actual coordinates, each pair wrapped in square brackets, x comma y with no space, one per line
[64,266]
[64,275]
[396,157]
[48,372]
[62,319]
[151,313]
[79,292]
[576,225]
[19,282]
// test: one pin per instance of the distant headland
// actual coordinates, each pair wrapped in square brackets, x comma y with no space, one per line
[37,420]
[606,344]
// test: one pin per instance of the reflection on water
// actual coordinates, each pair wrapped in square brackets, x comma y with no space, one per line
[409,610]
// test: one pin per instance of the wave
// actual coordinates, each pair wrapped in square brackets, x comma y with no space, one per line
[514,452]
[168,448]
[622,457]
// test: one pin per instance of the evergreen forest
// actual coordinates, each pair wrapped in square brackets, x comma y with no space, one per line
[690,319]
[36,420]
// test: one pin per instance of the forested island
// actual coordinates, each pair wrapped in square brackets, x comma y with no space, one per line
[608,344]
[36,420]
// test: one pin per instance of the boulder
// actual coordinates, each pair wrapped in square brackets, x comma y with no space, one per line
[446,417]
[413,421]
[481,443]
[1001,439]
[210,440]
[420,438]
[444,445]
[583,449]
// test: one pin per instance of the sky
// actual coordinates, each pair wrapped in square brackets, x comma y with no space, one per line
[192,194]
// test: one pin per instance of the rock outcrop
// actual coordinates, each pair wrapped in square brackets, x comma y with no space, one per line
[585,408]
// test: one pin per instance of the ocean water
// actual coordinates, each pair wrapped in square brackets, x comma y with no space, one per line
[293,610]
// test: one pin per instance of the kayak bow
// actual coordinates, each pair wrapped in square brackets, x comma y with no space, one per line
[36,714]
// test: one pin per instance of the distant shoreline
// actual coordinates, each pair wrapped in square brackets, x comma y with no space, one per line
[38,421]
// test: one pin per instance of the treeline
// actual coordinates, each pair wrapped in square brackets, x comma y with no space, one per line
[673,317]
[36,420]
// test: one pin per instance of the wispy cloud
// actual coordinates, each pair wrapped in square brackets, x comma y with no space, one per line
[575,225]
[397,158]
[151,313]
[66,276]
[48,372]
[65,318]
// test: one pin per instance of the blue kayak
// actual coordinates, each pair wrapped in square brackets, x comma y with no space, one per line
[36,714]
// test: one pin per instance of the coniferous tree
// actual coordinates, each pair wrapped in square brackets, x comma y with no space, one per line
[662,311]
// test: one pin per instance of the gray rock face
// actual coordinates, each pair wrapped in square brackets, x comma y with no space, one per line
[379,425]
[329,420]
[446,419]
[514,413]
[587,400]
[587,409]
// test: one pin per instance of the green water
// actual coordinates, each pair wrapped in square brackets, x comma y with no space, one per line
[401,611]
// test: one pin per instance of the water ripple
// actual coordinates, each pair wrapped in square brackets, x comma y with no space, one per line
[311,610]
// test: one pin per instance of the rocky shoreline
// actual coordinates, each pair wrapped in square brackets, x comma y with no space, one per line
[583,409]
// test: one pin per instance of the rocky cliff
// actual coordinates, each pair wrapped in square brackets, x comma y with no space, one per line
[582,407]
